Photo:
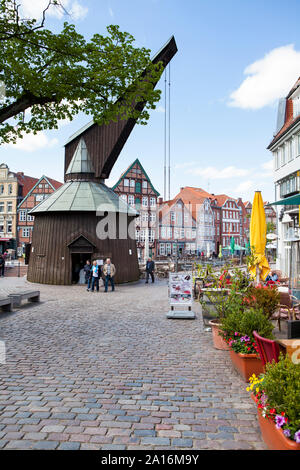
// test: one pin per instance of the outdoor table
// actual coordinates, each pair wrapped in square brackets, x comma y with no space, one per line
[291,347]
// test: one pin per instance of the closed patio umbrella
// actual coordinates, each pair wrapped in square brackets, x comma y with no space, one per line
[258,227]
[232,245]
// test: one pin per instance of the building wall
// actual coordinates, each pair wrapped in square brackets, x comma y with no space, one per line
[26,221]
[9,190]
[135,188]
[51,259]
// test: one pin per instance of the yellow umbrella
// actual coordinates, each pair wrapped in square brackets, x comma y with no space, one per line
[258,229]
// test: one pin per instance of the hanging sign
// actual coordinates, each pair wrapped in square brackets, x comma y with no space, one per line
[180,288]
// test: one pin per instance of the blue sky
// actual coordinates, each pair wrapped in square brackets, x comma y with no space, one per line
[235,59]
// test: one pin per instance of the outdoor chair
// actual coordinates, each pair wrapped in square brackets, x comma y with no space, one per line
[288,308]
[268,349]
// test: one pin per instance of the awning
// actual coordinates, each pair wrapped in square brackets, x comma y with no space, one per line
[288,201]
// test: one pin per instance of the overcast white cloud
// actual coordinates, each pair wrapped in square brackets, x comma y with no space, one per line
[268,79]
[33,142]
[34,9]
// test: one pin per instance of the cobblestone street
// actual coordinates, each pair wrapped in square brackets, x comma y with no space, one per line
[109,371]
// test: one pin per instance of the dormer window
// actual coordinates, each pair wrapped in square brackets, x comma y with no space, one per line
[296,106]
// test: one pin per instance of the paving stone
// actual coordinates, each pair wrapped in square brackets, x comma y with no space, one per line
[100,383]
[69,446]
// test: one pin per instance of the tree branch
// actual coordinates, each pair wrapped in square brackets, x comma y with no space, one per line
[25,101]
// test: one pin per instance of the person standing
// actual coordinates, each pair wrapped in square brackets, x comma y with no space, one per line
[96,271]
[88,274]
[109,271]
[150,270]
[2,265]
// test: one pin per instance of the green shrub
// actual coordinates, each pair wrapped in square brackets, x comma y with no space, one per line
[266,298]
[245,322]
[281,384]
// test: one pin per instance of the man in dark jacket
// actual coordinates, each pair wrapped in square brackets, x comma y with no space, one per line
[88,274]
[2,265]
[150,270]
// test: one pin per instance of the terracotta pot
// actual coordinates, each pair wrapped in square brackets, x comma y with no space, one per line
[272,436]
[247,364]
[219,342]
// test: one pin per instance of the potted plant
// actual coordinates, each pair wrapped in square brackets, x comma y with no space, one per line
[217,294]
[277,396]
[237,330]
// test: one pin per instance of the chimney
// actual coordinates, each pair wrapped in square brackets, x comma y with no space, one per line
[160,200]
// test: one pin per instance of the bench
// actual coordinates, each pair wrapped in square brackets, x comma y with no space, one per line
[6,304]
[32,296]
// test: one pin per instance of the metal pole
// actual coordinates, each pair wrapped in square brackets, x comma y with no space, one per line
[169,185]
[165,141]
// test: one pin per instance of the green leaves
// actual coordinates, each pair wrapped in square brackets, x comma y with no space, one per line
[282,386]
[56,76]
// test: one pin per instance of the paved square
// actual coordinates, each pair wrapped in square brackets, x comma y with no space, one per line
[109,371]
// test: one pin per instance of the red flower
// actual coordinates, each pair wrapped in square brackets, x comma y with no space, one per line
[272,411]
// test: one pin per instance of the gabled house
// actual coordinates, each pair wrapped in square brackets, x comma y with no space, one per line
[25,222]
[136,189]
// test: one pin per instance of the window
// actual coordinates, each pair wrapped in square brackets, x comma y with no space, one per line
[152,202]
[132,183]
[151,236]
[22,216]
[145,201]
[30,218]
[182,233]
[39,197]
[290,150]
[162,249]
[46,185]
[126,182]
[283,155]
[152,217]
[9,207]
[168,248]
[10,189]
[176,232]
[1,206]
[123,197]
[142,235]
[1,188]
[137,187]
[173,216]
[296,106]
[145,184]
[40,185]
[9,227]
[26,232]
[193,233]
[169,232]
[1,227]
[163,232]
[145,217]
[131,200]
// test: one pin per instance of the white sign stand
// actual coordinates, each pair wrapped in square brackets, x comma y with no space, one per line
[180,295]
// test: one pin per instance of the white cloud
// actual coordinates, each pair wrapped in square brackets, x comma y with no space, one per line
[243,187]
[110,10]
[34,9]
[215,173]
[268,79]
[33,142]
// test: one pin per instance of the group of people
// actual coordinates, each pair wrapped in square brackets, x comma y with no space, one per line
[94,272]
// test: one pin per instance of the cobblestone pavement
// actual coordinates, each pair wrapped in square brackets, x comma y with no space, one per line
[110,371]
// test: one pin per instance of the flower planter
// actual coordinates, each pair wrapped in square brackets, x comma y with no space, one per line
[272,436]
[246,364]
[219,342]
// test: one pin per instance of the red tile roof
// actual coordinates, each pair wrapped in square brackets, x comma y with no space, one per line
[27,182]
[289,119]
